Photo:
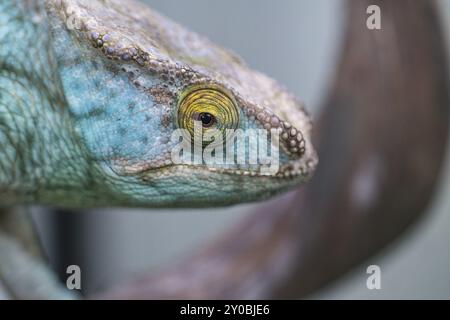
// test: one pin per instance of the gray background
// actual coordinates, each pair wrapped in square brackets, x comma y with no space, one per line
[295,42]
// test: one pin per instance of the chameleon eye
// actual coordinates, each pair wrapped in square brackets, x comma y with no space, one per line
[214,108]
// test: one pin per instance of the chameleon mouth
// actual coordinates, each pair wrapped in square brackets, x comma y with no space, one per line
[294,170]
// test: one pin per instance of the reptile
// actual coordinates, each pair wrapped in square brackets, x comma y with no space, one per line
[91,92]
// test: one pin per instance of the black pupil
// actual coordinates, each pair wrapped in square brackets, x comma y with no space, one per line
[207,119]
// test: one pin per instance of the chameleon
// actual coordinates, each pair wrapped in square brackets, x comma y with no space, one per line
[91,92]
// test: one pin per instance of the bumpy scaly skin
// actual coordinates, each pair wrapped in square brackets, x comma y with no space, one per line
[40,157]
[112,100]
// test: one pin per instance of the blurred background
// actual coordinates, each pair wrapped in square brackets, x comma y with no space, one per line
[297,43]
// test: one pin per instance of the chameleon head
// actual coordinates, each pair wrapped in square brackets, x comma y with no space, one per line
[166,117]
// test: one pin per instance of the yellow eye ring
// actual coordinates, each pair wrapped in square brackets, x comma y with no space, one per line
[212,106]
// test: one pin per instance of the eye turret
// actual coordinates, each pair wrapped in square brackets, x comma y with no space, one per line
[212,107]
